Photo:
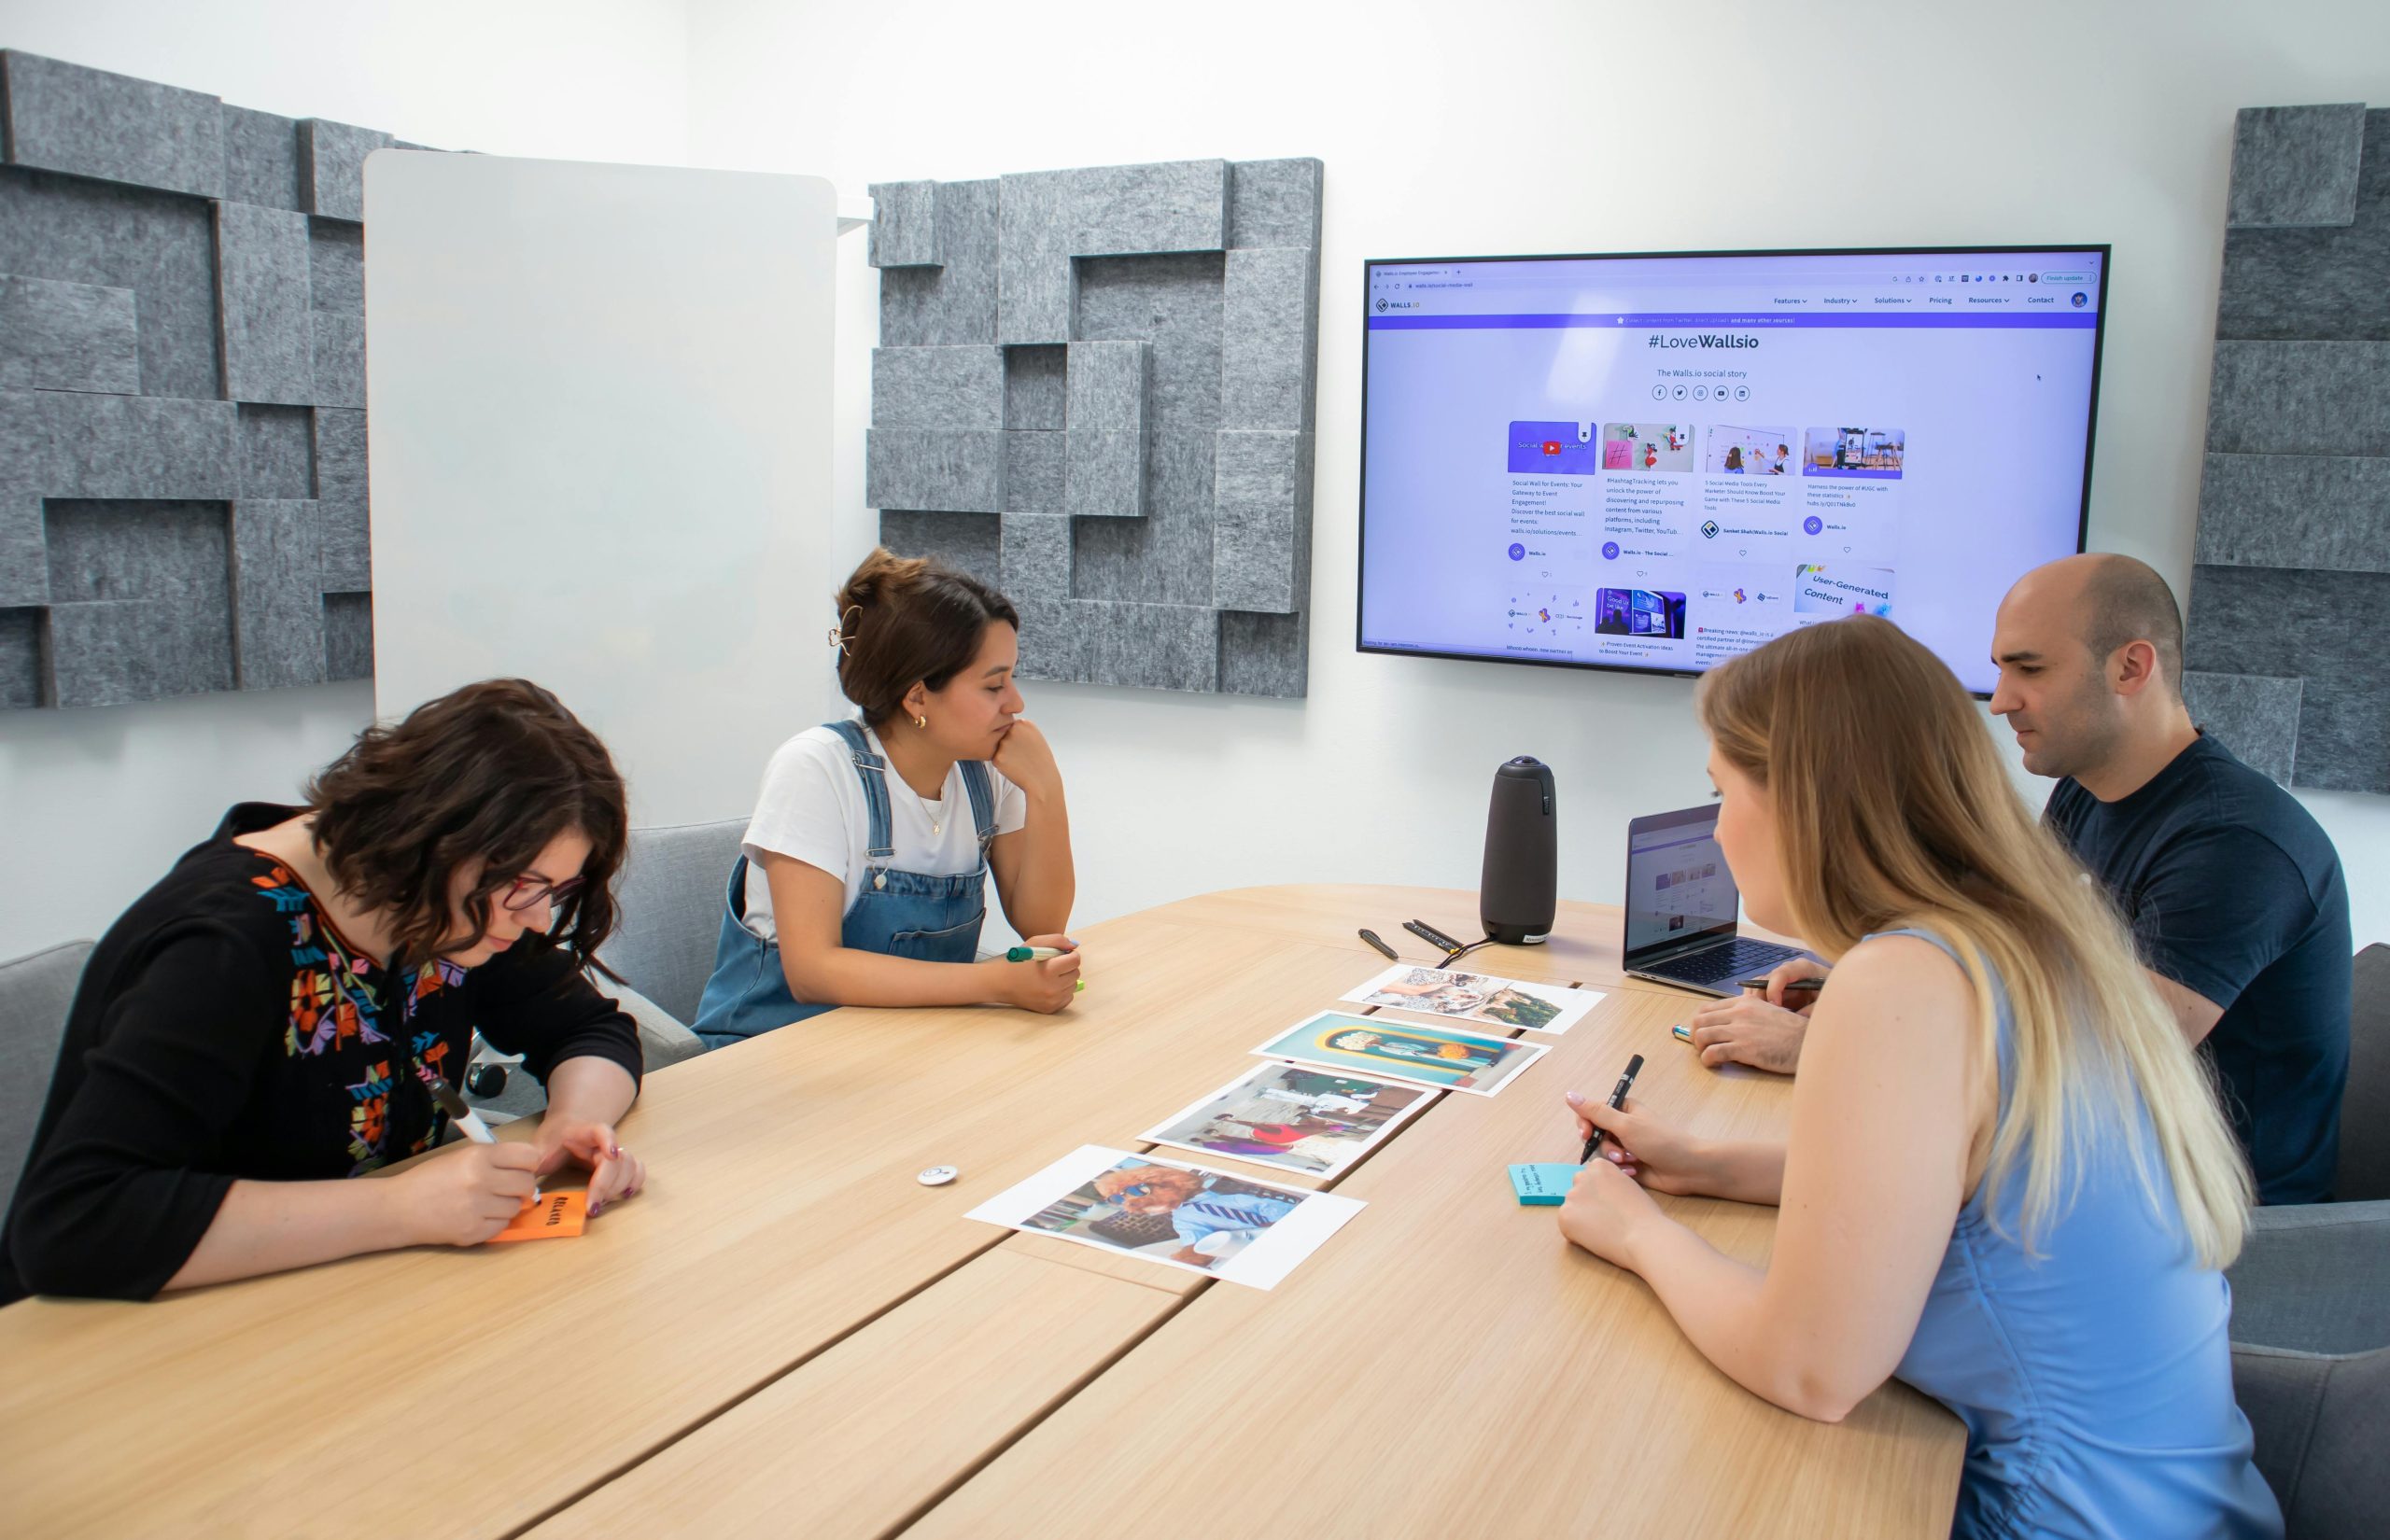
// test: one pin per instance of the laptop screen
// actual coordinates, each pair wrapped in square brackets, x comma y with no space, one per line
[1677,884]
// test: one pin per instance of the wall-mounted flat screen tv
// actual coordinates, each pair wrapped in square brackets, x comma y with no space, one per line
[1655,462]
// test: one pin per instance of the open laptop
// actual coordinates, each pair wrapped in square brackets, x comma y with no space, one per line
[1682,906]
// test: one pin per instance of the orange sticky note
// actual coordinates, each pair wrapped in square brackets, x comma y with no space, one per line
[552,1217]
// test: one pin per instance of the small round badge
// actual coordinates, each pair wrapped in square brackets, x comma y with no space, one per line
[936,1176]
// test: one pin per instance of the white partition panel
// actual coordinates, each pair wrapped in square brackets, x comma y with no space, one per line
[599,409]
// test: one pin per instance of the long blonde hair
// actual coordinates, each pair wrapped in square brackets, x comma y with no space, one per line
[1893,809]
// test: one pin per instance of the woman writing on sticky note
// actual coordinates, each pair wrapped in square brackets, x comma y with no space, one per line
[279,1012]
[2005,1179]
[863,877]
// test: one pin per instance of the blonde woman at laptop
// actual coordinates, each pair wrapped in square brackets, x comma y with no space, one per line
[2006,1181]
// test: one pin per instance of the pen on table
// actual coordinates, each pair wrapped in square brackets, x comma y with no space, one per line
[1391,955]
[462,1115]
[1039,954]
[1430,934]
[1790,984]
[1617,1100]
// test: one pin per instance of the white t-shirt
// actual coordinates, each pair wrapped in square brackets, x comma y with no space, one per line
[812,807]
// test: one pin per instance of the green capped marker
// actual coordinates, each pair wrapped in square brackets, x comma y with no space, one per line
[1039,954]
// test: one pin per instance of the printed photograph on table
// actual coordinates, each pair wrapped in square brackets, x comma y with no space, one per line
[1647,447]
[1445,1057]
[1193,1217]
[1855,454]
[1750,452]
[1293,1117]
[1476,996]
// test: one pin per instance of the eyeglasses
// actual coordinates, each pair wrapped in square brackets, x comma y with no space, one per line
[529,892]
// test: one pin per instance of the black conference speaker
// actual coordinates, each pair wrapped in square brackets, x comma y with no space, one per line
[1519,890]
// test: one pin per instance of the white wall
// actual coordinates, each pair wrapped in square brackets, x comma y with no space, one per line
[1533,127]
[95,805]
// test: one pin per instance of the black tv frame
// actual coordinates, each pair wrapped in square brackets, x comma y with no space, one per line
[2091,427]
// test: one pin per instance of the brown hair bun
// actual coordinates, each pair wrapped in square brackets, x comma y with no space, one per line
[908,620]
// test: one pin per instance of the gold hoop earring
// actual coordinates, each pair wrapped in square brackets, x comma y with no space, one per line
[921,721]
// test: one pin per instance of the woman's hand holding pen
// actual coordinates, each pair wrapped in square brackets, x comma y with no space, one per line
[1045,984]
[1659,1155]
[1766,1029]
[465,1193]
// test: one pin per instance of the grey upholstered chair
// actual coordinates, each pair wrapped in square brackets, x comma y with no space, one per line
[667,916]
[2318,1418]
[670,903]
[2309,1277]
[34,993]
[2364,1173]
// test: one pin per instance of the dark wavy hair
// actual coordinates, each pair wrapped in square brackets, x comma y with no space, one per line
[904,620]
[493,771]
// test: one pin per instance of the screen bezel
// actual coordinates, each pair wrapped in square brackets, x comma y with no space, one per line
[1369,265]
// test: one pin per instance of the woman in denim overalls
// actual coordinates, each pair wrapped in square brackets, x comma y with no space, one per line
[871,890]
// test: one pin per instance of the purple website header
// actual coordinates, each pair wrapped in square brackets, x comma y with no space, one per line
[2064,320]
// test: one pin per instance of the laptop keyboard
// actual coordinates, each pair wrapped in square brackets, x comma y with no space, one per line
[1716,965]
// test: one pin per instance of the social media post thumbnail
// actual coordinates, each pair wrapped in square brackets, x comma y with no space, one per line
[1565,449]
[1656,447]
[1854,453]
[1736,451]
[1653,612]
[1828,590]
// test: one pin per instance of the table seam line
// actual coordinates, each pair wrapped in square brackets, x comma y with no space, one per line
[617,1472]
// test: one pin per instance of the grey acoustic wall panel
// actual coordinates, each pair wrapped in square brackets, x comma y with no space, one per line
[331,166]
[903,224]
[260,158]
[1158,327]
[277,594]
[56,336]
[2254,716]
[2295,165]
[183,501]
[952,304]
[1105,476]
[262,296]
[2286,283]
[2289,613]
[88,123]
[938,387]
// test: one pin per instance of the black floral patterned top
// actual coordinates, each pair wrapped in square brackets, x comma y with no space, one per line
[224,1029]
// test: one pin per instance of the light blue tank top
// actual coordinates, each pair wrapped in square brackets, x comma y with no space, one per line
[2095,1380]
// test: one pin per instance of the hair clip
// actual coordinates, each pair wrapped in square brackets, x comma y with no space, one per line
[839,632]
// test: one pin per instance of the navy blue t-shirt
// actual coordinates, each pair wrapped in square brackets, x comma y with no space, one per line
[2235,893]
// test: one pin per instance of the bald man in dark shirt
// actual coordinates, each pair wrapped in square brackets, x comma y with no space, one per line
[2234,893]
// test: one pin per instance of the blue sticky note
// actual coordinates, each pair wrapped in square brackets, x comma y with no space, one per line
[1542,1184]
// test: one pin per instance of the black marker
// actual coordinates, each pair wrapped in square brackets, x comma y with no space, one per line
[1391,955]
[1617,1100]
[1760,983]
[1432,936]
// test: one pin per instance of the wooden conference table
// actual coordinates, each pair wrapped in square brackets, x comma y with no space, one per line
[787,1335]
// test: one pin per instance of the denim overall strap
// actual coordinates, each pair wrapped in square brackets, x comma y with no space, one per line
[983,801]
[872,770]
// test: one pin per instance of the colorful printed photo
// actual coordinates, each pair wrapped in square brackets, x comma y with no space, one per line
[1185,1216]
[1476,996]
[1294,1118]
[1442,1057]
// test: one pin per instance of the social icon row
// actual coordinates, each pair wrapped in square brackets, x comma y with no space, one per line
[1700,393]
